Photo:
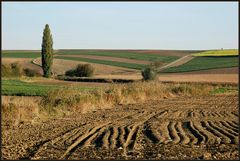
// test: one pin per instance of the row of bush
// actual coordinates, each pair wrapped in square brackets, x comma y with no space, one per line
[81,70]
[150,72]
[16,70]
[87,70]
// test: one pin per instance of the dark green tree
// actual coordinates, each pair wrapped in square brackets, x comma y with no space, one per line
[47,52]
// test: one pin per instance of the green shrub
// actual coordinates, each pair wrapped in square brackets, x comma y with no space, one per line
[30,72]
[71,72]
[82,70]
[149,73]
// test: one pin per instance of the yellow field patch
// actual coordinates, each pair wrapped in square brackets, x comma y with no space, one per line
[218,53]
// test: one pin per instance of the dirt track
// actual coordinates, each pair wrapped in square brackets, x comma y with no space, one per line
[174,128]
[177,62]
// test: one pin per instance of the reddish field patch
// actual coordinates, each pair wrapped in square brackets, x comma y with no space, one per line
[163,52]
[224,78]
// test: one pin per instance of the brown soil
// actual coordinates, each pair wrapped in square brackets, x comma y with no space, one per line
[173,128]
[227,78]
[180,77]
[125,60]
[233,70]
[163,52]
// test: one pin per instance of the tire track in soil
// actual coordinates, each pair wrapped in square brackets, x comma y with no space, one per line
[193,139]
[163,128]
[113,137]
[183,136]
[100,140]
[129,144]
[173,133]
[35,149]
[228,128]
[232,125]
[81,140]
[198,137]
[224,132]
[131,139]
[224,139]
[208,137]
[148,132]
[167,126]
[80,135]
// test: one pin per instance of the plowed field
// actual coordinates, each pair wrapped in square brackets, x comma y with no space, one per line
[173,128]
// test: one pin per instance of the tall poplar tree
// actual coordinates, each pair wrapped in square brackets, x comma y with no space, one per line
[47,52]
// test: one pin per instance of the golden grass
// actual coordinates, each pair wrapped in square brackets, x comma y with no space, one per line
[16,110]
[61,102]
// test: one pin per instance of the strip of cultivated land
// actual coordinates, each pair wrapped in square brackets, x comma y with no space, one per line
[105,62]
[175,128]
[147,56]
[123,54]
[204,63]
[20,54]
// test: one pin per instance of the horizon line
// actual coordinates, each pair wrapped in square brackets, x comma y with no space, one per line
[115,49]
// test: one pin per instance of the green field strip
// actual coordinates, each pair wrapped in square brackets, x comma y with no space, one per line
[204,63]
[105,62]
[123,54]
[20,88]
[21,55]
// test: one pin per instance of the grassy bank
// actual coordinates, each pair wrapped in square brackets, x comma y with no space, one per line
[61,102]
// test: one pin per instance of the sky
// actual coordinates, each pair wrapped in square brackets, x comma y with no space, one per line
[121,25]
